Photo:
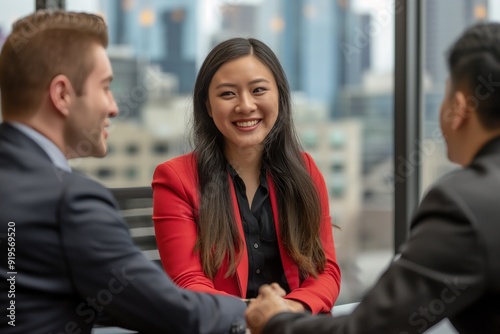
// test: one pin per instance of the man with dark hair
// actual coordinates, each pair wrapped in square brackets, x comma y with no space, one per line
[449,266]
[66,255]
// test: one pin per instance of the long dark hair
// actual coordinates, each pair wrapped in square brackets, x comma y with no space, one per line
[298,200]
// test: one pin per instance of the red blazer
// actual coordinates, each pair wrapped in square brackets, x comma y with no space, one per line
[175,207]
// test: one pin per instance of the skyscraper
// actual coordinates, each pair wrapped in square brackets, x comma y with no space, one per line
[160,32]
[440,33]
[305,36]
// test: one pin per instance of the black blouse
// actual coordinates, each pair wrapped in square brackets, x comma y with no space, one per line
[264,260]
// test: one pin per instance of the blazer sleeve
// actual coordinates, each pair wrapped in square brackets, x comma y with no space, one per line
[174,216]
[441,271]
[113,276]
[321,293]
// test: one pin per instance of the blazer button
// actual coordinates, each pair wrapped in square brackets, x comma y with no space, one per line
[256,245]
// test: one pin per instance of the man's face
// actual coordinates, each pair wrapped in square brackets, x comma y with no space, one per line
[89,116]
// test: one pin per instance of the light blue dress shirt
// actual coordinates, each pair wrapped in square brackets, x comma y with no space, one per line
[55,154]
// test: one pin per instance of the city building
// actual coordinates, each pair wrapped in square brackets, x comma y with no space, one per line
[160,32]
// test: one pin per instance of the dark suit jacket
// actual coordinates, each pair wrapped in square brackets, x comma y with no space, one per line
[449,267]
[74,257]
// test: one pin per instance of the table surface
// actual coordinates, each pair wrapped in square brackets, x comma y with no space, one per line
[444,327]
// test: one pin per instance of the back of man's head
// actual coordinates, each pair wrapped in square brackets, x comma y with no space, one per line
[474,66]
[42,46]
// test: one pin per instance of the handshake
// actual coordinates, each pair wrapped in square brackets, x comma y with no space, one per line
[268,303]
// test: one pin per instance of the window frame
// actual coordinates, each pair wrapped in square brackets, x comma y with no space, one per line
[407,110]
[407,114]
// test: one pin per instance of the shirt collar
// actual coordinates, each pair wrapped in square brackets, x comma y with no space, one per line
[234,175]
[55,154]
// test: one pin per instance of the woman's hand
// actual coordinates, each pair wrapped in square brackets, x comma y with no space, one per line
[268,303]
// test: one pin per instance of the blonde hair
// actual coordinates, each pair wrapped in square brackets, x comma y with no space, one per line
[42,46]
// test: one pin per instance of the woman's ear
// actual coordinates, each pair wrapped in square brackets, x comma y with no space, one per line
[60,92]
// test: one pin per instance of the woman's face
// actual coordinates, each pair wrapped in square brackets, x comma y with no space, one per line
[243,101]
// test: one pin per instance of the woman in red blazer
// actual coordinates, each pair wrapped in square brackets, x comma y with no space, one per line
[247,207]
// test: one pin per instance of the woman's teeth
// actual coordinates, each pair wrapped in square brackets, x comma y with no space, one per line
[247,124]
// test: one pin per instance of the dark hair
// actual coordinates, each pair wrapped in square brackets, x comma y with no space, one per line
[298,200]
[41,46]
[474,65]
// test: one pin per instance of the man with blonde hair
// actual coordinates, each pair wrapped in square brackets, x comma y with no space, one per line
[66,253]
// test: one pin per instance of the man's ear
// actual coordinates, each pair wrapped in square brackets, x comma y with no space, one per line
[61,91]
[209,110]
[462,111]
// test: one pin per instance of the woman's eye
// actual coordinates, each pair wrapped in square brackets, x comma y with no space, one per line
[259,90]
[226,94]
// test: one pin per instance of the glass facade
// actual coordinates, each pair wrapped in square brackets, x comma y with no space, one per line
[336,55]
[437,37]
[339,59]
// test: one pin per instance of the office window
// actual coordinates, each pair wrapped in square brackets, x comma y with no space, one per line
[337,166]
[437,38]
[105,173]
[160,148]
[131,173]
[337,139]
[337,190]
[310,139]
[338,57]
[132,149]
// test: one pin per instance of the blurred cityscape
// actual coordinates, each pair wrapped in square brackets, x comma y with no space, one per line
[338,56]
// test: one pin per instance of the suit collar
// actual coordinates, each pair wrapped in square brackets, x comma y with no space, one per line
[50,148]
[491,147]
[13,136]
